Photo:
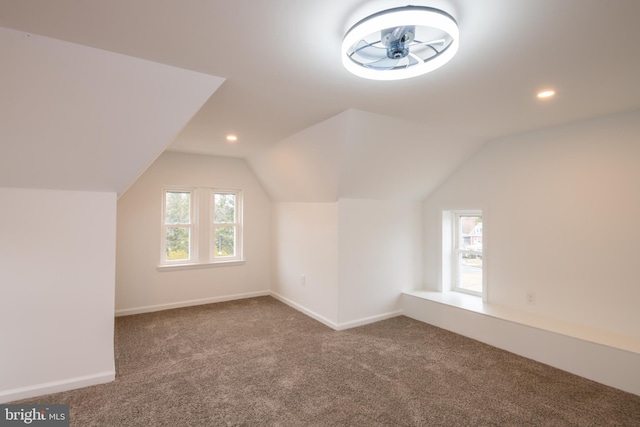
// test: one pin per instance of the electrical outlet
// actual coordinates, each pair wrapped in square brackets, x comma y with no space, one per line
[303,280]
[531,298]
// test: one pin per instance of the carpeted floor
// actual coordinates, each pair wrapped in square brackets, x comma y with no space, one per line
[258,362]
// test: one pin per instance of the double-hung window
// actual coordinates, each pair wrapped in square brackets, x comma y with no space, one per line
[467,252]
[201,227]
[226,230]
[178,228]
[462,253]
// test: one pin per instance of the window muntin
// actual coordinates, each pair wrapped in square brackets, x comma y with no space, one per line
[200,227]
[467,262]
[178,226]
[226,242]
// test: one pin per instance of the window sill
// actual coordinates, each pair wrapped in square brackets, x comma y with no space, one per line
[177,267]
[583,332]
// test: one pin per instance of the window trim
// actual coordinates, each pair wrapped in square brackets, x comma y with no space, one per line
[450,252]
[202,222]
[238,235]
[196,266]
[193,226]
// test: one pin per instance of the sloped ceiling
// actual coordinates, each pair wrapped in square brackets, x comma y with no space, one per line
[357,154]
[286,89]
[306,167]
[79,118]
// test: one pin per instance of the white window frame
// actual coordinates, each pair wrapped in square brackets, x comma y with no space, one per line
[450,274]
[193,234]
[237,224]
[202,246]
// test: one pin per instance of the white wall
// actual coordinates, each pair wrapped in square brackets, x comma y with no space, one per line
[57,262]
[356,255]
[306,243]
[139,285]
[380,254]
[562,208]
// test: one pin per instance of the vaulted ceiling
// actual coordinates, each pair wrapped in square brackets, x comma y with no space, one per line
[285,90]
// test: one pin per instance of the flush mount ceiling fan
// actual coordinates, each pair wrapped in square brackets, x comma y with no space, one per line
[400,43]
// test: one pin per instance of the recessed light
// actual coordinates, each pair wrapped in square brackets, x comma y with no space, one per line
[232,138]
[545,94]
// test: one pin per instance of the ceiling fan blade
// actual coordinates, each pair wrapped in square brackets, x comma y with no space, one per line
[383,64]
[429,43]
[366,52]
[413,59]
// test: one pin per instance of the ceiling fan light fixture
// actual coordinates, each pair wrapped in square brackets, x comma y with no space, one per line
[400,43]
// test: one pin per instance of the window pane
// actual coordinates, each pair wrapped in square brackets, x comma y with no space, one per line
[177,243]
[178,207]
[470,271]
[468,253]
[470,232]
[225,241]
[225,206]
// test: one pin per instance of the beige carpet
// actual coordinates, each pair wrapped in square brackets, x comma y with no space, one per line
[258,362]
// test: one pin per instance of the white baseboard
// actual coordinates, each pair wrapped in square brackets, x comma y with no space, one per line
[56,386]
[333,325]
[305,310]
[367,320]
[310,313]
[189,303]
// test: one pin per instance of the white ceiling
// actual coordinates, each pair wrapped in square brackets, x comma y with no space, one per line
[283,71]
[79,118]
